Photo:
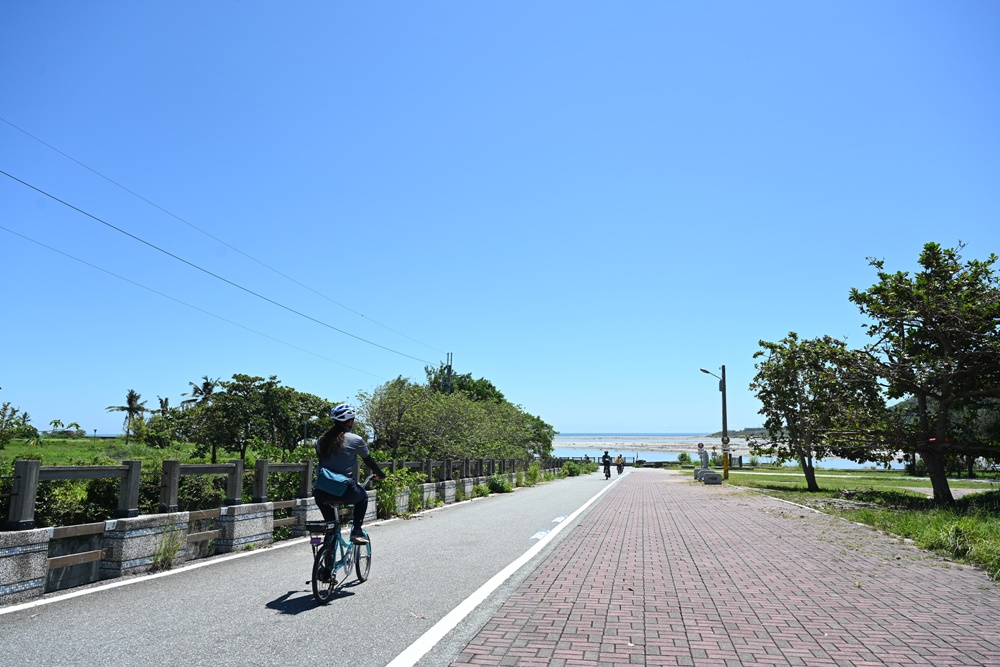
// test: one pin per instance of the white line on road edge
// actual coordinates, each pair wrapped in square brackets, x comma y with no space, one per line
[426,641]
[146,577]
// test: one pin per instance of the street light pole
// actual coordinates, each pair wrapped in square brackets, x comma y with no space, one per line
[725,425]
[305,417]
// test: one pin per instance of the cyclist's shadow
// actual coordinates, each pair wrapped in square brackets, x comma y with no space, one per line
[288,605]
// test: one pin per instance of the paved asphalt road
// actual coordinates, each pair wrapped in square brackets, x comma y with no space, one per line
[258,609]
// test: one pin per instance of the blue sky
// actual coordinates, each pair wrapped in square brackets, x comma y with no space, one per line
[584,202]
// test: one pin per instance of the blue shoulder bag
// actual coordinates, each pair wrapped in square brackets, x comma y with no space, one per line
[331,482]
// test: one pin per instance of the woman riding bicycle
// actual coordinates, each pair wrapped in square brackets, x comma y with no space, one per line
[620,462]
[338,450]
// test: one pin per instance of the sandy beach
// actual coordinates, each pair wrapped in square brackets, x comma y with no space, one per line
[667,444]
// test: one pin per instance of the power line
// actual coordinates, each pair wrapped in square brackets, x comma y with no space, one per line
[183,303]
[207,272]
[215,238]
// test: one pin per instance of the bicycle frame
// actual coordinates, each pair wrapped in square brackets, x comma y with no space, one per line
[333,533]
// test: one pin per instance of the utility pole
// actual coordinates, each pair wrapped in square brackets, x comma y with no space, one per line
[725,427]
[447,376]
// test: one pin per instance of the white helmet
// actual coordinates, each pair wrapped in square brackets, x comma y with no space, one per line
[342,413]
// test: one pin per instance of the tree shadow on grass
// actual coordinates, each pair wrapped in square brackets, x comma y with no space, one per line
[987,502]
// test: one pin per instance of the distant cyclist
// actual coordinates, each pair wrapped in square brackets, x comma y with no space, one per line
[606,461]
[338,450]
[620,462]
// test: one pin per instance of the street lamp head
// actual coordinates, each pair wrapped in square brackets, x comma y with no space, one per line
[710,373]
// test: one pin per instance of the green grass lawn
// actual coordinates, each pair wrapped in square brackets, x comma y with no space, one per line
[968,531]
[89,451]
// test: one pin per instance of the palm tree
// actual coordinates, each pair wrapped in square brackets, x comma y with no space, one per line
[200,393]
[164,406]
[55,424]
[133,408]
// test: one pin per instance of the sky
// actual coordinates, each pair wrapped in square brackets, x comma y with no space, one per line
[584,202]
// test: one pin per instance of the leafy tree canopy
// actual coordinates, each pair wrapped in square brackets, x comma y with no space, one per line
[816,395]
[936,338]
[479,390]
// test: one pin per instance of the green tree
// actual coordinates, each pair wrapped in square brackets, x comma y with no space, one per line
[815,397]
[936,339]
[133,408]
[389,414]
[412,421]
[9,422]
[479,390]
[201,392]
[164,405]
[251,412]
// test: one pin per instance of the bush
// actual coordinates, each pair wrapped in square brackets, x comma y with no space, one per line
[534,473]
[571,469]
[498,483]
[480,491]
[684,458]
[394,484]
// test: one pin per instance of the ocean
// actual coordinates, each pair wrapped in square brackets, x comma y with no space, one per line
[666,447]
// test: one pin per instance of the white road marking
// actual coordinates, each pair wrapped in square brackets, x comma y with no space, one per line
[426,641]
[539,535]
[146,577]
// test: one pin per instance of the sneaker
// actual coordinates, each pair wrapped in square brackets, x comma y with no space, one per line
[359,539]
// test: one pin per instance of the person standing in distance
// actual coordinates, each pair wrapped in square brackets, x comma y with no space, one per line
[338,450]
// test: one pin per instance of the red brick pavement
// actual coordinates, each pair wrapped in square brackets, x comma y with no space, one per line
[667,571]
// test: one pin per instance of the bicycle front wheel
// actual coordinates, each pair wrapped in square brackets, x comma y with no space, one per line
[324,576]
[363,558]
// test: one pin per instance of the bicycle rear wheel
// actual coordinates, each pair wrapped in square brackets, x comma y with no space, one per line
[363,558]
[324,578]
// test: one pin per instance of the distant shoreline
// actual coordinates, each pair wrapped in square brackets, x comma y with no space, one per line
[672,443]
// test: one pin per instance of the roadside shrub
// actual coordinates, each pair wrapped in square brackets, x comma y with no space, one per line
[201,492]
[959,540]
[534,473]
[571,469]
[684,458]
[60,503]
[480,491]
[416,502]
[459,492]
[6,486]
[498,483]
[394,484]
[167,550]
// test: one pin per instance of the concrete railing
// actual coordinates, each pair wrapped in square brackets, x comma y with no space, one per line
[34,560]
